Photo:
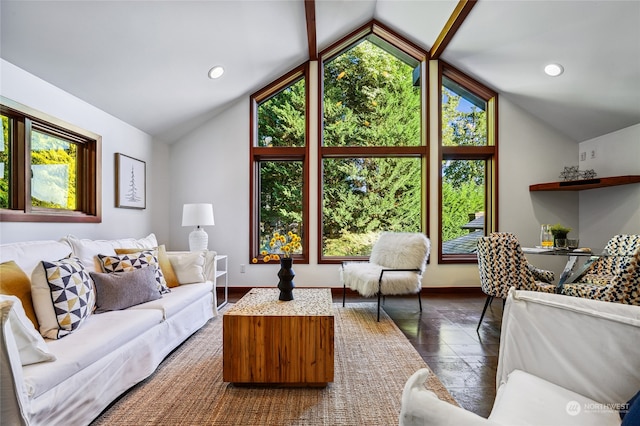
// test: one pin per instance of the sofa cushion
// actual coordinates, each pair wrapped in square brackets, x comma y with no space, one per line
[163,259]
[526,399]
[87,250]
[31,346]
[15,282]
[121,290]
[63,296]
[138,260]
[99,335]
[180,298]
[364,278]
[29,254]
[189,267]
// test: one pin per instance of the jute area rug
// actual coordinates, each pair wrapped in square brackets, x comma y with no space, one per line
[373,360]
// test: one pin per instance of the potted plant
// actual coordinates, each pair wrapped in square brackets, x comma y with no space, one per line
[559,231]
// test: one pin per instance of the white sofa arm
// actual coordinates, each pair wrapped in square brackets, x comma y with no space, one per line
[587,346]
[422,407]
[210,266]
[13,396]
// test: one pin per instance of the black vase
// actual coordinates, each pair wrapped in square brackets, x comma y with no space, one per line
[286,275]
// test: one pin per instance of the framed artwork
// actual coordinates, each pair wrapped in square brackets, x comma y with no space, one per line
[131,182]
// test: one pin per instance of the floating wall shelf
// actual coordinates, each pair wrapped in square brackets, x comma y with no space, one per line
[579,185]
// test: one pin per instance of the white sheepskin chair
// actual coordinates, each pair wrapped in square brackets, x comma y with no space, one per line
[396,265]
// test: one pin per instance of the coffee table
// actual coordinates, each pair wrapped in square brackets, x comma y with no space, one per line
[267,341]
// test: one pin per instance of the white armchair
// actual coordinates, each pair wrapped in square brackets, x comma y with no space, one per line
[396,265]
[563,361]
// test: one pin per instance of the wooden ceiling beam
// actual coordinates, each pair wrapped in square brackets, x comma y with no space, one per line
[455,21]
[310,12]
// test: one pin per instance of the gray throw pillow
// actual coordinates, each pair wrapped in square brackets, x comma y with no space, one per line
[120,290]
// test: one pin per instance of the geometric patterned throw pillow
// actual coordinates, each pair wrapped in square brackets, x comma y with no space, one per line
[71,292]
[130,262]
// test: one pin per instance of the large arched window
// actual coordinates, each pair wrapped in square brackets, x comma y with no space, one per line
[373,153]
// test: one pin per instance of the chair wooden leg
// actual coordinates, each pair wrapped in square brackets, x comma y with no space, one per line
[486,305]
[420,300]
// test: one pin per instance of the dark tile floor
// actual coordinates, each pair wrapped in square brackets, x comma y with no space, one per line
[445,335]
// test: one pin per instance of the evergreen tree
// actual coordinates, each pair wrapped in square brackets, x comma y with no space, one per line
[369,100]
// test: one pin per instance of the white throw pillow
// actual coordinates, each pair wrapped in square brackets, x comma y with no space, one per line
[31,346]
[189,267]
[87,250]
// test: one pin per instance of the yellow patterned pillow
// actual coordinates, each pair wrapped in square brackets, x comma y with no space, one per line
[137,260]
[165,265]
[14,282]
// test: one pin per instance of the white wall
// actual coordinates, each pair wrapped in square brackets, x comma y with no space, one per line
[212,165]
[530,153]
[605,212]
[117,136]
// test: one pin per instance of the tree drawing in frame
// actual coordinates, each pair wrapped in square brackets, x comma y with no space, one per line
[131,182]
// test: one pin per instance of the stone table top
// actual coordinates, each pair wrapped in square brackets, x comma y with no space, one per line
[264,302]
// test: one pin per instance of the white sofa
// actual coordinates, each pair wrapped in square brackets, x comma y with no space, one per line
[109,352]
[563,361]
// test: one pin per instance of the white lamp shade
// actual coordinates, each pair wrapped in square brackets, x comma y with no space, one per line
[199,214]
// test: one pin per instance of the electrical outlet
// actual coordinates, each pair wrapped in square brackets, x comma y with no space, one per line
[243,268]
[583,156]
[593,154]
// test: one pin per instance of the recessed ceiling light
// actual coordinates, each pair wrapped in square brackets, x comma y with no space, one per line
[553,70]
[216,72]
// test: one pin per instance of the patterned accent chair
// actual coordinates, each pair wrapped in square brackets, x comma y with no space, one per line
[502,265]
[614,278]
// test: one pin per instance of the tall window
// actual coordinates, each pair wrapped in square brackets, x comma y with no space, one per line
[468,165]
[49,169]
[279,172]
[373,152]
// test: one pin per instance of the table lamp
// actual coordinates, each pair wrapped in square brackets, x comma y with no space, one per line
[198,215]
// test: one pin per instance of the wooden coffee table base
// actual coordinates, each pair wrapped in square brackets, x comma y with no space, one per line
[266,341]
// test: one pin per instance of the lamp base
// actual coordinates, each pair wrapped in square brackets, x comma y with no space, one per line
[198,240]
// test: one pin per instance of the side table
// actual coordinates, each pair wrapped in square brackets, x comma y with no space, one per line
[222,277]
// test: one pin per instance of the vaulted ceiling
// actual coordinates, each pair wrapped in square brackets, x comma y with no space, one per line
[146,62]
